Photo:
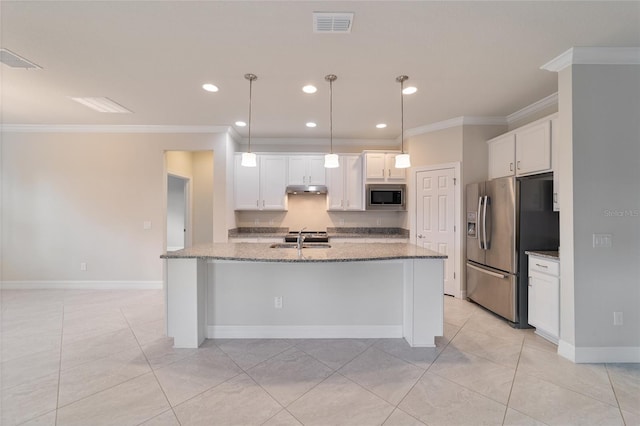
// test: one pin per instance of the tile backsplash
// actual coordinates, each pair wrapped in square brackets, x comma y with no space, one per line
[311,211]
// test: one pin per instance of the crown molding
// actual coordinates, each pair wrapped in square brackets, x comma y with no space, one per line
[318,142]
[540,105]
[457,122]
[594,56]
[109,128]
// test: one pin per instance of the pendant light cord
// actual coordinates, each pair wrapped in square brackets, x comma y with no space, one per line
[402,116]
[251,78]
[401,79]
[331,115]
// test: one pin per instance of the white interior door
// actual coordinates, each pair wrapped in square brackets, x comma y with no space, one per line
[435,219]
[177,212]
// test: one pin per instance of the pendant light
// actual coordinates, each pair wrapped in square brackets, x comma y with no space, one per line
[402,160]
[249,158]
[331,160]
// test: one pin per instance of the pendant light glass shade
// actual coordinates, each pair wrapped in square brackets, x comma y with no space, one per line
[249,158]
[402,160]
[331,160]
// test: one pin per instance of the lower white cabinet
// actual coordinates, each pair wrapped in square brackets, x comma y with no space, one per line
[544,296]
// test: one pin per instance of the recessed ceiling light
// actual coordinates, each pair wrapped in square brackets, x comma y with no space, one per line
[240,123]
[210,87]
[311,124]
[309,89]
[102,104]
[381,125]
[409,90]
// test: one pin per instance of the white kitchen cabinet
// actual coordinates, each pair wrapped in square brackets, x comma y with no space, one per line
[262,187]
[381,167]
[502,154]
[306,170]
[344,184]
[555,138]
[521,152]
[544,296]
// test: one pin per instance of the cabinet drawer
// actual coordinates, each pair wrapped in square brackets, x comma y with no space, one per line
[546,266]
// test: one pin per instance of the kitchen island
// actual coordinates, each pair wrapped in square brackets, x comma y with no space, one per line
[350,290]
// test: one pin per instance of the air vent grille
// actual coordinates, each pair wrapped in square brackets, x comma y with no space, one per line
[102,104]
[332,22]
[9,58]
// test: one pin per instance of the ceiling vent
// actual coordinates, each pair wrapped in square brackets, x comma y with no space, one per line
[332,22]
[9,58]
[102,105]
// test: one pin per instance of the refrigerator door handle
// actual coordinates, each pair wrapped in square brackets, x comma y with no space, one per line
[484,222]
[479,223]
[493,274]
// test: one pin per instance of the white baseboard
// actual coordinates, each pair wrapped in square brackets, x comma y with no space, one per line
[611,354]
[80,285]
[304,331]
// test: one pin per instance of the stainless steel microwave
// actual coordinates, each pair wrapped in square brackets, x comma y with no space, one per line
[386,196]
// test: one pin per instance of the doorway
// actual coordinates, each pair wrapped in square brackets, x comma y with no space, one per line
[437,213]
[177,212]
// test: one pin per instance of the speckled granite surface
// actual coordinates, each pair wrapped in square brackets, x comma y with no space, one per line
[341,232]
[549,254]
[355,232]
[344,252]
[257,232]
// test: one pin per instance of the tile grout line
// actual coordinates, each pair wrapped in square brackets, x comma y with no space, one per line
[513,381]
[150,368]
[615,395]
[397,407]
[60,360]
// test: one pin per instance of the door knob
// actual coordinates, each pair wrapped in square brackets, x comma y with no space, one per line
[420,236]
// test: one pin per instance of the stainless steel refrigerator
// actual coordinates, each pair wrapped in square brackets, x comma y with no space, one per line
[506,217]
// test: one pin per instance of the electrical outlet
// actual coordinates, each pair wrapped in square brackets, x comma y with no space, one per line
[341,222]
[146,224]
[617,318]
[256,222]
[277,302]
[83,266]
[602,240]
[379,221]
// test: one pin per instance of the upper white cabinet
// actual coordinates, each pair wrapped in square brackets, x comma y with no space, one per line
[524,151]
[544,296]
[502,154]
[380,167]
[262,187]
[306,170]
[345,186]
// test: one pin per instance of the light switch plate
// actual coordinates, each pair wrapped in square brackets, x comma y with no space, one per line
[602,240]
[146,224]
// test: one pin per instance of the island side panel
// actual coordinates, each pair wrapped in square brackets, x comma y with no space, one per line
[320,300]
[424,301]
[186,301]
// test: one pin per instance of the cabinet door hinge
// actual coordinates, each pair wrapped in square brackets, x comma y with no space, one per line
[454,275]
[454,228]
[455,180]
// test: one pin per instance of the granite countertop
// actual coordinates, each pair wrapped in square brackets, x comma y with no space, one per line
[344,252]
[335,233]
[544,253]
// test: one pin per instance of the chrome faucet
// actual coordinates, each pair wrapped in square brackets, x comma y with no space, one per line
[301,238]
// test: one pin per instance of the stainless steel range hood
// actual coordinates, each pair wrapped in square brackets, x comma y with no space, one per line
[306,189]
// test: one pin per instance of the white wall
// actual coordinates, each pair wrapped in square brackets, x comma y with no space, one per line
[83,197]
[605,143]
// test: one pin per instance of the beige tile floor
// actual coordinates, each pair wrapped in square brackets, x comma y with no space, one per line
[100,358]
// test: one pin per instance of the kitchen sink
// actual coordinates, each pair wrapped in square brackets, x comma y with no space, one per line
[294,245]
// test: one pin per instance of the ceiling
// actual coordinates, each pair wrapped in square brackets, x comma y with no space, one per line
[466,59]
